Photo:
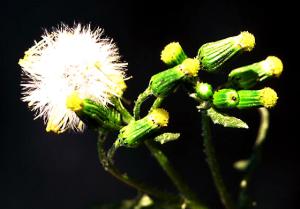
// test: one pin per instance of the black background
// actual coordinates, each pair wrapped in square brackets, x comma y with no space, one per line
[39,170]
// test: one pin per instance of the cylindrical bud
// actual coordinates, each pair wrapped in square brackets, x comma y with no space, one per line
[214,54]
[93,113]
[266,97]
[173,54]
[132,134]
[204,91]
[164,82]
[248,76]
[225,98]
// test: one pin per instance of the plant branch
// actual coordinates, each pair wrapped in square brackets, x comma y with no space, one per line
[244,199]
[188,195]
[138,103]
[157,103]
[126,116]
[109,167]
[213,163]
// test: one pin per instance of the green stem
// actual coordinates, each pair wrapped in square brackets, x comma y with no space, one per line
[109,167]
[157,103]
[141,98]
[213,163]
[188,195]
[244,199]
[126,116]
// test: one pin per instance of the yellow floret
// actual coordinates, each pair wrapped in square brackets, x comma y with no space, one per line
[55,125]
[246,40]
[159,116]
[74,102]
[190,67]
[275,65]
[120,85]
[170,52]
[25,60]
[268,97]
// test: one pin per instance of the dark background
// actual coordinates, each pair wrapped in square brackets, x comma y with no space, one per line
[39,170]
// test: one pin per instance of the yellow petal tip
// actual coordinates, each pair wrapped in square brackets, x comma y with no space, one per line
[268,97]
[159,116]
[246,40]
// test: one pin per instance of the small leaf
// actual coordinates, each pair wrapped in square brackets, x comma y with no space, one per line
[225,120]
[166,137]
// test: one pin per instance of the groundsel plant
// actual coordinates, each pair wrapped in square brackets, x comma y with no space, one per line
[75,77]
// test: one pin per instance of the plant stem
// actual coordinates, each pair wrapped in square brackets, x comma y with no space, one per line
[126,116]
[157,103]
[244,199]
[109,167]
[188,195]
[138,103]
[213,163]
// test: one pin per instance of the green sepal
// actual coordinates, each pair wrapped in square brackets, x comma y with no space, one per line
[166,81]
[248,76]
[225,98]
[213,55]
[225,120]
[249,99]
[99,115]
[166,137]
[134,133]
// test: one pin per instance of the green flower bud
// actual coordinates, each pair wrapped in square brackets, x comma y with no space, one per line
[204,91]
[164,82]
[94,113]
[266,97]
[132,134]
[225,98]
[247,76]
[173,54]
[213,55]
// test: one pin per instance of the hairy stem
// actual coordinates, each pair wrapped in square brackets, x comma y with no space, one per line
[126,116]
[157,103]
[188,195]
[213,163]
[138,103]
[244,199]
[109,167]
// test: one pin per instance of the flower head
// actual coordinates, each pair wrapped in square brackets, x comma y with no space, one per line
[266,97]
[214,54]
[248,76]
[173,54]
[67,60]
[132,134]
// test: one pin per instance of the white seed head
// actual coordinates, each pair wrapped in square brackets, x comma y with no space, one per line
[67,60]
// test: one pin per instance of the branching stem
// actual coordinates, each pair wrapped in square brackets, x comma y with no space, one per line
[123,177]
[213,163]
[244,199]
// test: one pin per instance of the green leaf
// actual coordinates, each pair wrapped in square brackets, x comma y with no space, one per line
[166,137]
[225,120]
